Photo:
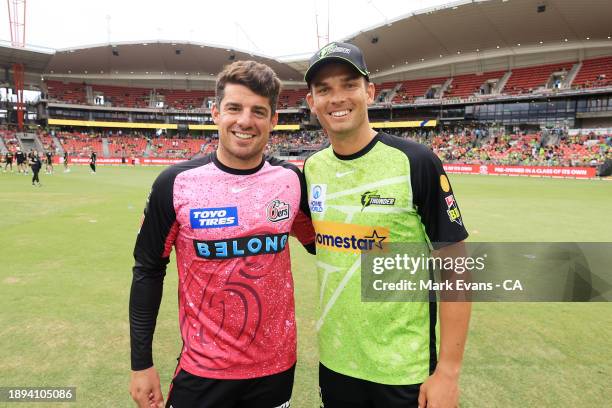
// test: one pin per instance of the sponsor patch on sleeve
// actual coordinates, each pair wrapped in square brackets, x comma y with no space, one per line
[316,199]
[453,211]
[444,184]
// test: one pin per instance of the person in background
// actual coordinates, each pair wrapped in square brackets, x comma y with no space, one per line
[36,165]
[8,161]
[92,162]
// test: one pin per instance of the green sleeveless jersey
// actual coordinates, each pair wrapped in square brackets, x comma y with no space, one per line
[393,190]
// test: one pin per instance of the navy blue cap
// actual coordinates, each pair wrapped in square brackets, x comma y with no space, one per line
[337,51]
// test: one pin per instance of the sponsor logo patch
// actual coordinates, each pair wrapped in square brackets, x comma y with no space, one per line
[331,48]
[277,210]
[213,217]
[373,198]
[444,184]
[453,211]
[353,238]
[316,200]
[241,247]
[345,173]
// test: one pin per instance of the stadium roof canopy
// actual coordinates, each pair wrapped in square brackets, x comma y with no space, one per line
[35,59]
[478,29]
[138,61]
[157,57]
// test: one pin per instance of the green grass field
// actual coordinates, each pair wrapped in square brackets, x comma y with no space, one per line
[66,251]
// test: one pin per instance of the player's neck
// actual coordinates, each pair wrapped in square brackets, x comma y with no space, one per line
[347,144]
[238,164]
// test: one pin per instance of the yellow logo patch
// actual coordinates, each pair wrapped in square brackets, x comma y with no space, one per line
[337,236]
[444,183]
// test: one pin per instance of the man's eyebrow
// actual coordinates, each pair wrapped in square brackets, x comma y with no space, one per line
[233,105]
[260,107]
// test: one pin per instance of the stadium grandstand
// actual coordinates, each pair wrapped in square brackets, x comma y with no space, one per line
[495,82]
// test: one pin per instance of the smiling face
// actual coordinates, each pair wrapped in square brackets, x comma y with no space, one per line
[340,96]
[245,121]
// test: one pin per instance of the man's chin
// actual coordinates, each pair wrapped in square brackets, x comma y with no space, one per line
[342,131]
[246,155]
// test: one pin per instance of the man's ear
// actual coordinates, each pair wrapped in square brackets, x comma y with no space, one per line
[371,91]
[310,101]
[274,120]
[214,112]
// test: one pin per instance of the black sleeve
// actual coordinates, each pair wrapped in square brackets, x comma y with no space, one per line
[151,255]
[432,193]
[434,200]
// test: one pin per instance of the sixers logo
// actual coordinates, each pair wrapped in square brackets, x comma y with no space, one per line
[277,210]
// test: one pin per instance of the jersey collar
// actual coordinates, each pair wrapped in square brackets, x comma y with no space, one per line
[361,152]
[239,172]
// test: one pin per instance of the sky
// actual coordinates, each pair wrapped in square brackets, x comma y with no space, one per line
[271,27]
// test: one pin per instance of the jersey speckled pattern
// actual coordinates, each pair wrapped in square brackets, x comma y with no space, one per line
[230,229]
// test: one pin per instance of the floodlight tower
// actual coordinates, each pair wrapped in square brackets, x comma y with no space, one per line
[322,35]
[16,17]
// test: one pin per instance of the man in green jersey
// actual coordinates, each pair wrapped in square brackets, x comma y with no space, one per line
[366,189]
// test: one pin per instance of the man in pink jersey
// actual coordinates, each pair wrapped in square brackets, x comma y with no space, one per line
[229,216]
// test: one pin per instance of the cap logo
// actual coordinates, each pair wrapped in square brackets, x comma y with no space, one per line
[331,48]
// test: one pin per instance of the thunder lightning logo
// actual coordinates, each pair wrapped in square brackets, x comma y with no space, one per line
[327,50]
[373,198]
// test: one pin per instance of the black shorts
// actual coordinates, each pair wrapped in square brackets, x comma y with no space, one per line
[341,391]
[190,391]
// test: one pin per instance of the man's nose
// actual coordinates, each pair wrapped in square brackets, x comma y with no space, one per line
[244,119]
[337,96]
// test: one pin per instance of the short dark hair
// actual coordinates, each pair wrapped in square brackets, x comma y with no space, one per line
[259,78]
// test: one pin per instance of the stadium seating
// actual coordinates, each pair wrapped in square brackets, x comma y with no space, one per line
[463,147]
[529,79]
[130,97]
[47,141]
[528,149]
[9,139]
[66,92]
[184,99]
[383,87]
[467,85]
[594,73]
[416,88]
[291,98]
[177,147]
[294,143]
[123,146]
[80,144]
